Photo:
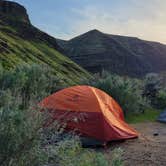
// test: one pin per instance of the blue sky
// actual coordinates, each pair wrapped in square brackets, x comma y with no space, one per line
[68,18]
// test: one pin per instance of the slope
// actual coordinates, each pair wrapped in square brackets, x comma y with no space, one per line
[97,51]
[22,43]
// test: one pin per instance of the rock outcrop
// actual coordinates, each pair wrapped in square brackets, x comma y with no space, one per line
[13,11]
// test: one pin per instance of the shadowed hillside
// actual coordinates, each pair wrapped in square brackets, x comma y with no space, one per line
[21,42]
[122,55]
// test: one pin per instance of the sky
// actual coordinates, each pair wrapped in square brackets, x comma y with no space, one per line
[66,19]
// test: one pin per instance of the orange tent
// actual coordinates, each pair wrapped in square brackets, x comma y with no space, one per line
[90,112]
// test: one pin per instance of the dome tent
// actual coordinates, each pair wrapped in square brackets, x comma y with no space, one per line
[102,120]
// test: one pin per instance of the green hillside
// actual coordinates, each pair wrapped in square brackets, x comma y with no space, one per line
[22,43]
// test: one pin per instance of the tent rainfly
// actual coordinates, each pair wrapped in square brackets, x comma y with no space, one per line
[90,112]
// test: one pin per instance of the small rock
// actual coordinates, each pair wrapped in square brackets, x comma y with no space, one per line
[155,134]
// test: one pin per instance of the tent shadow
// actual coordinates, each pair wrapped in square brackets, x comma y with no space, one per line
[95,144]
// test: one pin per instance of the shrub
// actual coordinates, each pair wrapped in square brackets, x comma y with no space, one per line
[20,120]
[19,133]
[152,86]
[160,99]
[155,90]
[117,157]
[70,153]
[30,83]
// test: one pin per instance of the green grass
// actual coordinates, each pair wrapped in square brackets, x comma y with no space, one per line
[21,51]
[149,115]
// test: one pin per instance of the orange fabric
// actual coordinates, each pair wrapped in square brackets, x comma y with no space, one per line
[103,117]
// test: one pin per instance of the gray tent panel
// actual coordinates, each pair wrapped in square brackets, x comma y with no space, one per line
[90,142]
[162,117]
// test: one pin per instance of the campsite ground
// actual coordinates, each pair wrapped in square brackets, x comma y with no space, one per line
[148,149]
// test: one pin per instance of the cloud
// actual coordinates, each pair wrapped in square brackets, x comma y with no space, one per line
[144,19]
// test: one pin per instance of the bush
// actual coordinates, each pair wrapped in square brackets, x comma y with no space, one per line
[19,133]
[117,157]
[160,99]
[127,92]
[20,120]
[30,83]
[155,90]
[20,90]
[152,86]
[69,152]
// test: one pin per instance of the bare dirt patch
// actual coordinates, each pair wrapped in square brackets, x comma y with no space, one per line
[149,149]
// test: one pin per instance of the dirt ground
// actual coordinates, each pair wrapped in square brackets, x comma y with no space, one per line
[148,149]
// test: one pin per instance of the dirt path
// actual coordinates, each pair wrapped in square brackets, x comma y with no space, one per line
[147,150]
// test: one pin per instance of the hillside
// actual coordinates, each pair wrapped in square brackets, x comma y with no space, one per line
[97,51]
[22,43]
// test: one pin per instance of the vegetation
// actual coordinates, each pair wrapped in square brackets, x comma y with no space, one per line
[24,141]
[149,115]
[117,157]
[19,132]
[155,90]
[16,50]
[161,99]
[20,122]
[70,153]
